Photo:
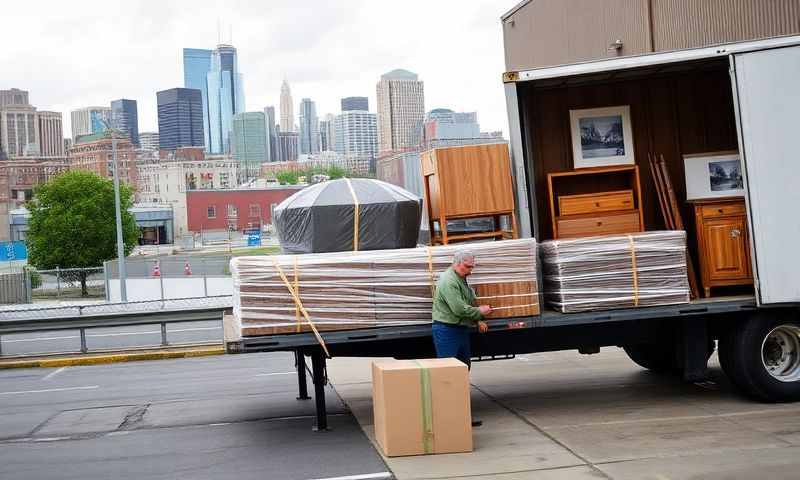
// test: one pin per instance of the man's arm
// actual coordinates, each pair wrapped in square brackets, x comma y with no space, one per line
[459,305]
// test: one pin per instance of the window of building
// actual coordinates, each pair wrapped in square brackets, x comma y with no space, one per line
[255,210]
[233,212]
[212,211]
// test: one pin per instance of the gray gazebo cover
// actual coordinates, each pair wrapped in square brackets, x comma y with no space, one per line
[320,218]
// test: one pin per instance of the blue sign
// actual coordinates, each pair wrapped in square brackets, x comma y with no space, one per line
[253,238]
[11,251]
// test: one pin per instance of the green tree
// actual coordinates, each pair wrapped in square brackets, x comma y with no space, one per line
[73,223]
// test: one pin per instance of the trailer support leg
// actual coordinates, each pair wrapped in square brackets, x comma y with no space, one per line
[320,379]
[695,349]
[302,386]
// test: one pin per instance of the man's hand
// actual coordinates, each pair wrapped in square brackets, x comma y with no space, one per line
[483,327]
[485,310]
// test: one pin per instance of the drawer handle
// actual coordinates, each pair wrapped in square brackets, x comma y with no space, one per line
[736,233]
[599,224]
[721,210]
[597,204]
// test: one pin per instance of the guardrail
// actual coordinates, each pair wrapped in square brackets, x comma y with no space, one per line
[86,316]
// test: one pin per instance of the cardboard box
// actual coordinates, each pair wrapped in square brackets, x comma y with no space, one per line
[422,406]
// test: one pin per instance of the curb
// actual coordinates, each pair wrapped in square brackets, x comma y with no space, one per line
[111,358]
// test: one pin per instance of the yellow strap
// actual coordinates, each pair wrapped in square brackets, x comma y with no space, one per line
[300,306]
[635,273]
[427,408]
[430,271]
[355,214]
[296,289]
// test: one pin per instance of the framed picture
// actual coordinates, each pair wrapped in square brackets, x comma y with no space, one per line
[712,175]
[601,137]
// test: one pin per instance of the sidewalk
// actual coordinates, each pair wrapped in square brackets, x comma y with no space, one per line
[506,447]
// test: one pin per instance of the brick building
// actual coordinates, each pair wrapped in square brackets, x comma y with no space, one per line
[210,210]
[93,153]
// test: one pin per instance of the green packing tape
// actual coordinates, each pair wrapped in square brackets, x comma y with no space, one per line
[427,408]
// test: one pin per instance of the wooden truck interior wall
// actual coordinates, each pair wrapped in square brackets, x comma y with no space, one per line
[675,111]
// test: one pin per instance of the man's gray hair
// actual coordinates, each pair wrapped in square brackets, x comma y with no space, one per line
[463,255]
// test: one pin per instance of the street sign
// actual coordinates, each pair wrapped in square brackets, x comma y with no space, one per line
[12,251]
[253,238]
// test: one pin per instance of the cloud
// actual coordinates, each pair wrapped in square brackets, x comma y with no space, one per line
[76,54]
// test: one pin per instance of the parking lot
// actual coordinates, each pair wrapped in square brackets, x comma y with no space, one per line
[546,416]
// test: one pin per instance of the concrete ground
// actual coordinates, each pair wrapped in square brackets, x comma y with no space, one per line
[568,416]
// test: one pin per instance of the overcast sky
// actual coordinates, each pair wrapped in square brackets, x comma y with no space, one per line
[81,53]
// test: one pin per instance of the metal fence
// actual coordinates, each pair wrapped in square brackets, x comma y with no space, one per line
[68,283]
[14,288]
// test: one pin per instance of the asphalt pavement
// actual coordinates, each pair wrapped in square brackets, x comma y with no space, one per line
[233,416]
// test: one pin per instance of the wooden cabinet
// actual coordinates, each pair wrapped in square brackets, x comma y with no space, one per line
[466,182]
[722,243]
[595,201]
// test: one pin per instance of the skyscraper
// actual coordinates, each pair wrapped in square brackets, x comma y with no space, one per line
[88,120]
[287,108]
[327,133]
[19,131]
[272,134]
[356,134]
[196,65]
[180,118]
[125,117]
[13,96]
[309,127]
[287,146]
[225,97]
[249,143]
[51,134]
[401,109]
[355,103]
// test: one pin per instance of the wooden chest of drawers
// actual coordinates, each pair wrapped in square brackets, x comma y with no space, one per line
[584,203]
[723,243]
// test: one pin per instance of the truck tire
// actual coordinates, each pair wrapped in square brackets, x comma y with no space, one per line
[761,356]
[656,357]
[661,357]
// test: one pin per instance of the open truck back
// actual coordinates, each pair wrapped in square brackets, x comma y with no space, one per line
[740,96]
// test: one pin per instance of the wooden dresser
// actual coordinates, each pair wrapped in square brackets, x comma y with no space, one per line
[722,242]
[595,201]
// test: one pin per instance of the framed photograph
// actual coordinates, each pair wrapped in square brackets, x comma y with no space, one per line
[601,137]
[713,175]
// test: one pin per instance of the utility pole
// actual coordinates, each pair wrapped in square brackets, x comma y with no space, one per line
[118,213]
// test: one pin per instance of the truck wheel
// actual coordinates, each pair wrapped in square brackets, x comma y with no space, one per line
[661,357]
[657,357]
[761,356]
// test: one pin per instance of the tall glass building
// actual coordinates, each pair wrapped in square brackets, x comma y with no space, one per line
[272,134]
[125,117]
[309,127]
[225,97]
[249,143]
[180,118]
[196,65]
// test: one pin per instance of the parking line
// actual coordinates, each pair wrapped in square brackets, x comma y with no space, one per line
[51,390]
[53,373]
[366,476]
[272,374]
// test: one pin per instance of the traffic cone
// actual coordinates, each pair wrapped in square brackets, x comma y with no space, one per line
[187,269]
[157,269]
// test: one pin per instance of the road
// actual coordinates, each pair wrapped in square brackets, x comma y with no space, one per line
[203,418]
[111,338]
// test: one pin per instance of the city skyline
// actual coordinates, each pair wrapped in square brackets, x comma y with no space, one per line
[143,55]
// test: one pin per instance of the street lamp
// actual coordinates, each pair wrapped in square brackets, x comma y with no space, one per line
[118,213]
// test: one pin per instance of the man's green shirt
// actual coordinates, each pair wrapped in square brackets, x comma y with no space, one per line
[454,299]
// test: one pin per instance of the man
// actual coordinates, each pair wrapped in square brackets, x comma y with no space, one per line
[454,311]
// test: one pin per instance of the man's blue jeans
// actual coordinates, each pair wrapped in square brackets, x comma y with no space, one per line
[452,341]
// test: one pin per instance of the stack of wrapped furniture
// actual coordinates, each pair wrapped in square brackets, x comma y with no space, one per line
[622,271]
[351,290]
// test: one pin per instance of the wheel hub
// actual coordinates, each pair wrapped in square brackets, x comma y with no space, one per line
[780,353]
